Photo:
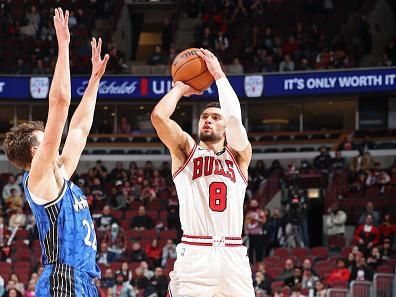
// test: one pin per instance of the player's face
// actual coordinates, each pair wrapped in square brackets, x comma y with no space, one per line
[211,125]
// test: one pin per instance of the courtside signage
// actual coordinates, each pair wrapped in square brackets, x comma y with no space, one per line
[250,86]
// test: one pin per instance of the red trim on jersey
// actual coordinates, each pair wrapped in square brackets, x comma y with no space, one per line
[197,237]
[185,163]
[236,164]
[210,237]
[209,244]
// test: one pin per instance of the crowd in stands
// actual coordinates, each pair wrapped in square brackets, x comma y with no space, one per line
[272,36]
[246,35]
[136,214]
[28,43]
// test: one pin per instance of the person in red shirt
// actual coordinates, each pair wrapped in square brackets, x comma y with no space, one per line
[340,273]
[387,229]
[154,252]
[367,235]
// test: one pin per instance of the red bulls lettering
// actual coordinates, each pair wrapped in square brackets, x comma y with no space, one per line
[198,162]
[208,165]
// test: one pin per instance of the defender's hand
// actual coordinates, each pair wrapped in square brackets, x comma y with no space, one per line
[186,90]
[61,24]
[98,65]
[212,63]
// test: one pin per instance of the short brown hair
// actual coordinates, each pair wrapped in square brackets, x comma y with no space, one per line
[19,141]
[211,104]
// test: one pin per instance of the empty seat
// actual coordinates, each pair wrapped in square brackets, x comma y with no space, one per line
[139,139]
[307,149]
[301,137]
[135,152]
[283,138]
[267,138]
[153,152]
[121,139]
[271,150]
[168,234]
[320,252]
[117,152]
[281,252]
[149,234]
[103,140]
[289,150]
[387,146]
[99,152]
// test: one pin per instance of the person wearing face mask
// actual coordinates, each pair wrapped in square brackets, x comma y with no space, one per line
[254,220]
[115,239]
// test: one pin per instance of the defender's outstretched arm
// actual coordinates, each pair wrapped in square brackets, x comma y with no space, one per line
[59,101]
[82,119]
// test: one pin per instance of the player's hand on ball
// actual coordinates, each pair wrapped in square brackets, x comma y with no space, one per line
[61,24]
[186,90]
[98,65]
[212,63]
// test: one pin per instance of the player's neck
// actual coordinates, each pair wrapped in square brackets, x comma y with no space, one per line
[214,146]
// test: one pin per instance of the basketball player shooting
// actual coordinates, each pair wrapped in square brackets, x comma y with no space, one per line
[66,231]
[210,179]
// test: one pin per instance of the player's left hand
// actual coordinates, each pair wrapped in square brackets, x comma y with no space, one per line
[212,63]
[98,65]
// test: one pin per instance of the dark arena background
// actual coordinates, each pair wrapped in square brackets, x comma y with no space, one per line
[317,84]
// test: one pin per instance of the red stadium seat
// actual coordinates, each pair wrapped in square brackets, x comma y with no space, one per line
[22,234]
[272,261]
[129,214]
[115,266]
[361,289]
[152,214]
[281,252]
[149,234]
[168,234]
[275,285]
[320,252]
[132,266]
[385,269]
[163,215]
[125,224]
[337,293]
[273,272]
[383,284]
[133,234]
[118,214]
[134,205]
[300,252]
[5,269]
[154,205]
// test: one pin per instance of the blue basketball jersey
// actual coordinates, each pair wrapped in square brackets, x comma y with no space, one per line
[66,230]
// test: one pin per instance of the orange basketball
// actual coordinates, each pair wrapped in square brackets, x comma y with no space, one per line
[191,69]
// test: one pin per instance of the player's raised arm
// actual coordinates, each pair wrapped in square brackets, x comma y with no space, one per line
[170,133]
[59,101]
[82,119]
[236,133]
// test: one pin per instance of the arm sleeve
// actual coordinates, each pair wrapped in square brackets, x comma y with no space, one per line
[235,132]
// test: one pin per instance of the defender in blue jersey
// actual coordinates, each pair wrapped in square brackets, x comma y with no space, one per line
[65,226]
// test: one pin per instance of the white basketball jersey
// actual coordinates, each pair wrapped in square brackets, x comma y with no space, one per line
[211,190]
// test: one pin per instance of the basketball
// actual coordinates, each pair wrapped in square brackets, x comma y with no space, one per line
[191,69]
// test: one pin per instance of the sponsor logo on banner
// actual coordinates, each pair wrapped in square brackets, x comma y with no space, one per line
[254,85]
[1,86]
[111,88]
[39,87]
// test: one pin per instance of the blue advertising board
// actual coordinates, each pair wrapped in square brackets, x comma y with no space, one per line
[357,81]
